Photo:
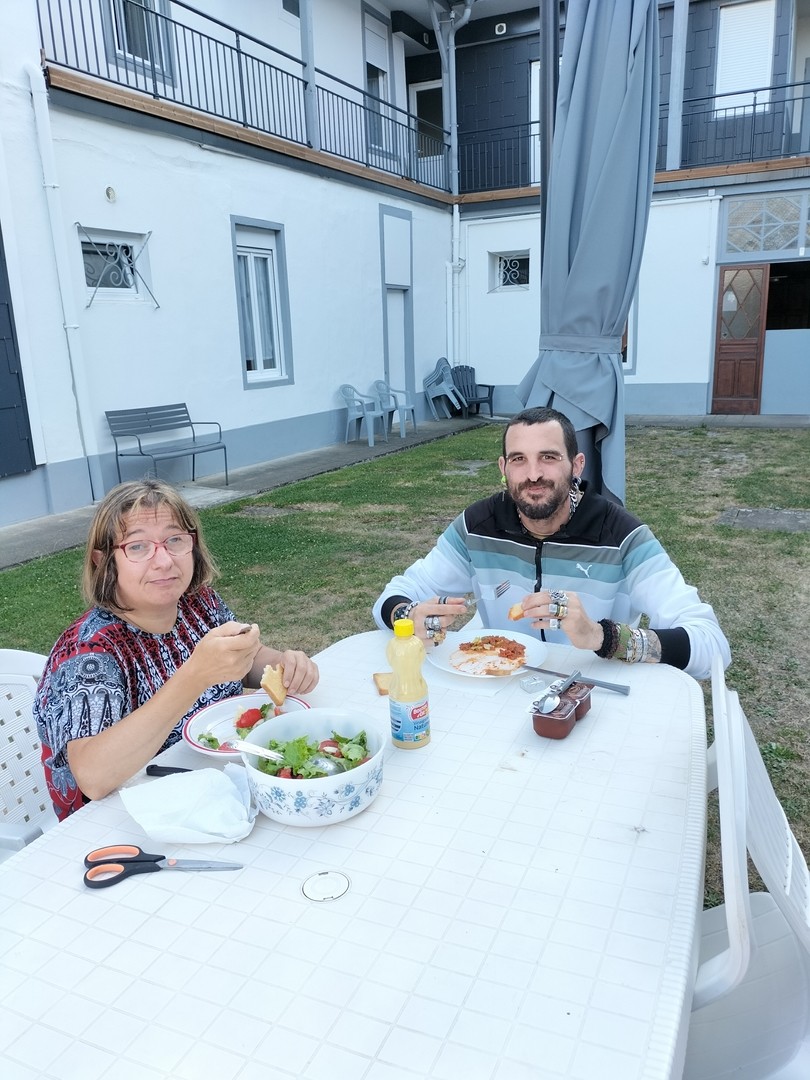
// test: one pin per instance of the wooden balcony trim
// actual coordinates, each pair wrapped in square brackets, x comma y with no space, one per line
[112,94]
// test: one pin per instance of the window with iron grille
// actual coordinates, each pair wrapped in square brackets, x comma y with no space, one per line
[509,270]
[115,264]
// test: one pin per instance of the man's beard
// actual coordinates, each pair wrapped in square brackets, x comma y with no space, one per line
[542,511]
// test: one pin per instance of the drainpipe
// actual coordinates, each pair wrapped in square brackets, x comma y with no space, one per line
[81,397]
[308,72]
[446,39]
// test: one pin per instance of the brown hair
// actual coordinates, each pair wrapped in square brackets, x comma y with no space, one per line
[100,580]
[544,414]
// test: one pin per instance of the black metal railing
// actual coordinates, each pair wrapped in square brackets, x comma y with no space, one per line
[181,55]
[358,126]
[498,158]
[749,125]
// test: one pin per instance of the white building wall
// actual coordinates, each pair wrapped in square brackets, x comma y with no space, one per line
[671,348]
[130,353]
[500,327]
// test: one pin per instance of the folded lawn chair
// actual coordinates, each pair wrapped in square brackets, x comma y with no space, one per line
[438,386]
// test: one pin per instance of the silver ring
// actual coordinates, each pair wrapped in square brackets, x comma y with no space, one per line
[431,634]
[433,622]
[554,624]
[443,599]
[553,609]
[559,596]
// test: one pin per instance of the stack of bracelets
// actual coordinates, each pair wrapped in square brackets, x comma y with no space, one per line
[623,642]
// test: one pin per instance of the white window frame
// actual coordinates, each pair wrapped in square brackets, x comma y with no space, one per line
[745,43]
[262,302]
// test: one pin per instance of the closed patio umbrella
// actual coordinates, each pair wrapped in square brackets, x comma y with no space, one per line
[599,190]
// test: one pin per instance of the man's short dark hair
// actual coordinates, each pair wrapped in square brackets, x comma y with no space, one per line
[545,415]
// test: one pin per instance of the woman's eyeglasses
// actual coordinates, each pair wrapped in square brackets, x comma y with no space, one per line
[143,550]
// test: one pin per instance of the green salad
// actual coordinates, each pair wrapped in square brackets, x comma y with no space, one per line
[298,754]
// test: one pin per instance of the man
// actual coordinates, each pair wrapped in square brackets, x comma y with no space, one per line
[549,557]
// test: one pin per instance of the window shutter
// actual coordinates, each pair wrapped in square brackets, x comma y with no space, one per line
[745,47]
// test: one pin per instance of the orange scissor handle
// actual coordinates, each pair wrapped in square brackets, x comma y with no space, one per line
[120,852]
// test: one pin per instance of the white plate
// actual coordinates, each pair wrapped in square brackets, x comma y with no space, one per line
[218,720]
[440,655]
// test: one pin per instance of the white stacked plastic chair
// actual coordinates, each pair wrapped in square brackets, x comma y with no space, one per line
[25,806]
[751,1012]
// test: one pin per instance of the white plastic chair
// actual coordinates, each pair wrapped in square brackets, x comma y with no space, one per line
[25,805]
[395,401]
[751,1011]
[362,407]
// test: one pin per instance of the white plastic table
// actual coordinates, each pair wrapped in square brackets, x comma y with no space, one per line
[518,908]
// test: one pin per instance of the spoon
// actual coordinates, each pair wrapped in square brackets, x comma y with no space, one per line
[322,762]
[550,699]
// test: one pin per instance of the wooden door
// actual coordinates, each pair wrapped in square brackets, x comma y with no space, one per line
[741,309]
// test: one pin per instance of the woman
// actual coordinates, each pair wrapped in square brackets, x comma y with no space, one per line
[157,645]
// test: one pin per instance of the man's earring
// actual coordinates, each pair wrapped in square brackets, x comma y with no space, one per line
[503,480]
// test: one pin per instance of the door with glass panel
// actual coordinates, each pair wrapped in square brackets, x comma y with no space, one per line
[741,310]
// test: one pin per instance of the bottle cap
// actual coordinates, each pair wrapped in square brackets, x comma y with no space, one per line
[403,628]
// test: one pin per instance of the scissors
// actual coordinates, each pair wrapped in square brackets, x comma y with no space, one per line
[109,865]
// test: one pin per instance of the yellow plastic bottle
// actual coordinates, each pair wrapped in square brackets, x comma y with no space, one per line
[408,695]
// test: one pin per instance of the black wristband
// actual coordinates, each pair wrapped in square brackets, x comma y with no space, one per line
[610,641]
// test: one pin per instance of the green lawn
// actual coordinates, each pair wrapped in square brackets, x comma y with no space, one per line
[306,561]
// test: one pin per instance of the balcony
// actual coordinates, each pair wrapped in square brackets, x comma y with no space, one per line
[201,63]
[198,62]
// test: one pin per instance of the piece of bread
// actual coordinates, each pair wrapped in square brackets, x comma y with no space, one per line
[382,680]
[516,612]
[272,684]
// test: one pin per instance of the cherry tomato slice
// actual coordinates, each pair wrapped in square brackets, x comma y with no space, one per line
[248,718]
[330,746]
[285,773]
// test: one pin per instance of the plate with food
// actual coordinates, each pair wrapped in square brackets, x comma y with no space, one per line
[233,718]
[486,654]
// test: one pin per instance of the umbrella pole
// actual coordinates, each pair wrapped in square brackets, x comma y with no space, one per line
[549,78]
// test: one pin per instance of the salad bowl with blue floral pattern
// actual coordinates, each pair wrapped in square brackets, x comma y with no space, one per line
[319,800]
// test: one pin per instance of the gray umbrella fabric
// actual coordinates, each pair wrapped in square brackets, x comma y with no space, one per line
[599,191]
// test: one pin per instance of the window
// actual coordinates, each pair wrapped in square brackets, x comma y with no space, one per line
[509,270]
[108,265]
[115,265]
[745,43]
[292,7]
[137,34]
[261,294]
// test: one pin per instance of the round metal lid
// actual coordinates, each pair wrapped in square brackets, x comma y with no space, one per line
[325,885]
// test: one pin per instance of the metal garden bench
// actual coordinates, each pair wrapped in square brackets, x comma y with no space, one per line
[139,433]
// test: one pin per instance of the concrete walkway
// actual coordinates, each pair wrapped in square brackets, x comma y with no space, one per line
[58,532]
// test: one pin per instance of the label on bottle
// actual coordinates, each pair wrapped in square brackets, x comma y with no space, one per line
[410,722]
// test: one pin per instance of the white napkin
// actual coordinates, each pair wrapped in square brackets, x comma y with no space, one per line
[197,807]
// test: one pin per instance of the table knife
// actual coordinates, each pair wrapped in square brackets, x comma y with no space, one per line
[164,770]
[619,688]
